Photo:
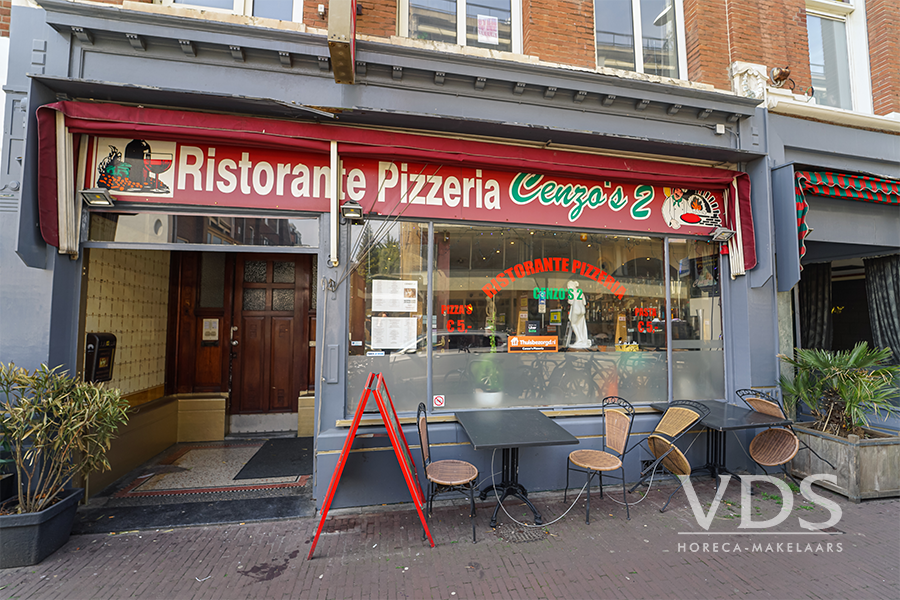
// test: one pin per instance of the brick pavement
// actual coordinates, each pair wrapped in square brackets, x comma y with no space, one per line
[378,552]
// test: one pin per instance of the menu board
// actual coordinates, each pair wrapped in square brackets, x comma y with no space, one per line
[394,333]
[390,295]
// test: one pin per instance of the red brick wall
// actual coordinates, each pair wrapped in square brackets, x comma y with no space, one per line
[707,42]
[379,18]
[560,31]
[884,54]
[772,33]
[5,6]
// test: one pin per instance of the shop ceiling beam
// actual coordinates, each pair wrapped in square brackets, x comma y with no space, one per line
[519,88]
[285,59]
[84,36]
[396,73]
[704,113]
[549,92]
[237,53]
[361,68]
[136,41]
[673,109]
[480,82]
[641,104]
[324,63]
[608,99]
[579,96]
[187,47]
[439,77]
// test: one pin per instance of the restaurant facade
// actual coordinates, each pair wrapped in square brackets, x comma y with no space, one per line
[529,236]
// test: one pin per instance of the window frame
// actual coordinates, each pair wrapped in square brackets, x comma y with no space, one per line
[515,12]
[853,14]
[637,29]
[239,7]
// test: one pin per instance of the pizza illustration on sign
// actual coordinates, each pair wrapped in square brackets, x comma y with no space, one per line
[690,207]
[138,170]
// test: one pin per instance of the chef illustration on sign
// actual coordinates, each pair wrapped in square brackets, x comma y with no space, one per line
[577,322]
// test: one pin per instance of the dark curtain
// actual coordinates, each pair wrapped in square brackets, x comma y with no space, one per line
[815,306]
[883,293]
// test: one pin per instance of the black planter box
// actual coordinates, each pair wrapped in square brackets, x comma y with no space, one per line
[31,537]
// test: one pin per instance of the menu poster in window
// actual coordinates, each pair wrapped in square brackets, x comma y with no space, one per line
[394,333]
[390,295]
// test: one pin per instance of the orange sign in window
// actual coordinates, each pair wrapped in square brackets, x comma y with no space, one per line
[533,343]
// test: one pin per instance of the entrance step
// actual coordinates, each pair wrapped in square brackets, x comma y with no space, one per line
[262,423]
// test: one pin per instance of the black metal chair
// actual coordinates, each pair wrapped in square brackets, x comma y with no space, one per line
[775,446]
[675,422]
[445,475]
[618,415]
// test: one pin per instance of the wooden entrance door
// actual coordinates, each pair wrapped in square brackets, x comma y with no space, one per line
[271,314]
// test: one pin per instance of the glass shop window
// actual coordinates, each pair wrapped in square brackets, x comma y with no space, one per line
[698,356]
[525,317]
[387,310]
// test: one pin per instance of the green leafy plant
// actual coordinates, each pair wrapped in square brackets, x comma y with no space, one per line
[841,388]
[56,427]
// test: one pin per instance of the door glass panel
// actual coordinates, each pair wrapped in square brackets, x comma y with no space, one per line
[212,280]
[254,299]
[660,43]
[698,355]
[283,300]
[829,63]
[255,271]
[283,272]
[274,9]
[496,24]
[433,20]
[615,34]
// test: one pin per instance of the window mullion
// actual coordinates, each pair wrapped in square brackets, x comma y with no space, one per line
[461,22]
[638,36]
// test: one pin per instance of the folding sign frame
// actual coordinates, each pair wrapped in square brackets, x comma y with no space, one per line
[376,387]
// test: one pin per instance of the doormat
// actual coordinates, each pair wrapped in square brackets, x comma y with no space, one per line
[280,457]
[202,469]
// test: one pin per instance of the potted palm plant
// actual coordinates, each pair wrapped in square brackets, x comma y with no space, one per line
[842,391]
[56,427]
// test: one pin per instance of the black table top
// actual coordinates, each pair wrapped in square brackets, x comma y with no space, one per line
[512,428]
[726,417]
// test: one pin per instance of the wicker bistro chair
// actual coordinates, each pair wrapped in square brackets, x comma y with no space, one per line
[618,415]
[775,446]
[445,475]
[675,422]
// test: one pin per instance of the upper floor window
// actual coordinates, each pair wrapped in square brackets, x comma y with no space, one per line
[656,25]
[838,53]
[284,10]
[492,24]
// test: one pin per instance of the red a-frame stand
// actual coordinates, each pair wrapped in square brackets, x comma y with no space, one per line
[376,387]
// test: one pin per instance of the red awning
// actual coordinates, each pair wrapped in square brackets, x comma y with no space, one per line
[176,125]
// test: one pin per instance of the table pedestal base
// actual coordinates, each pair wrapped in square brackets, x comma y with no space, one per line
[509,486]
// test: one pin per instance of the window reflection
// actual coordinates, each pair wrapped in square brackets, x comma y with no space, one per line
[158,228]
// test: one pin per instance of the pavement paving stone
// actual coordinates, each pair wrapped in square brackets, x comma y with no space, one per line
[378,552]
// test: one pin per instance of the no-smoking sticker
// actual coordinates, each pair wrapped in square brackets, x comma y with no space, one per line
[438,401]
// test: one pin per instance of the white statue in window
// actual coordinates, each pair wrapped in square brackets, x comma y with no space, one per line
[577,314]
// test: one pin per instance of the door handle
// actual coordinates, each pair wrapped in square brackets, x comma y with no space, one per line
[234,342]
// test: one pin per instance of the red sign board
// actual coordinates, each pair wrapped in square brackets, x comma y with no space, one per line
[181,173]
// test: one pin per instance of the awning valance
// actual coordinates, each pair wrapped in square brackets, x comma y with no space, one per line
[132,121]
[839,185]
